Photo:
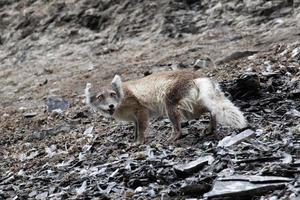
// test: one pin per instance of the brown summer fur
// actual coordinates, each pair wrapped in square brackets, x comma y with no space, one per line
[140,95]
[176,94]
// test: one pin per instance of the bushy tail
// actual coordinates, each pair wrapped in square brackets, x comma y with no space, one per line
[214,100]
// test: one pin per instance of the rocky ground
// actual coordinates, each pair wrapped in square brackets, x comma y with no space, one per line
[53,147]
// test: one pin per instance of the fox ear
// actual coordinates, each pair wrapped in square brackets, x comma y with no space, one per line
[117,86]
[89,97]
[87,93]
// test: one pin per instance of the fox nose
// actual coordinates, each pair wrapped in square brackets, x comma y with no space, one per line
[111,106]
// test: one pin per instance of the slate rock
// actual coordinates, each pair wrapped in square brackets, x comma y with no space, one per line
[245,87]
[195,189]
[30,114]
[246,186]
[234,56]
[232,140]
[193,166]
[57,104]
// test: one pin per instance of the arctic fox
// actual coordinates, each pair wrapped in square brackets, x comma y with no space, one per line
[175,94]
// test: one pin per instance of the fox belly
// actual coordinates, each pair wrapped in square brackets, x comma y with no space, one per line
[190,106]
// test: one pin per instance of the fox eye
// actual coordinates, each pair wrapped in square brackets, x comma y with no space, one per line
[113,94]
[100,97]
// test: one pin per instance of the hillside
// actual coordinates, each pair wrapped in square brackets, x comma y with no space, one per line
[49,50]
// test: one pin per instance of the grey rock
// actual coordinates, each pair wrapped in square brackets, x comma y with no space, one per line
[234,56]
[257,179]
[42,196]
[194,166]
[30,115]
[232,140]
[57,104]
[241,189]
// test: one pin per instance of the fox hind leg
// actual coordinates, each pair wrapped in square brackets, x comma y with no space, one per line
[136,130]
[211,129]
[174,117]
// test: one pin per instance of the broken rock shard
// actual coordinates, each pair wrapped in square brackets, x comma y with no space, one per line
[30,114]
[57,104]
[257,179]
[193,166]
[232,140]
[246,186]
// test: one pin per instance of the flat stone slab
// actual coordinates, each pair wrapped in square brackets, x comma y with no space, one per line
[245,186]
[232,140]
[193,166]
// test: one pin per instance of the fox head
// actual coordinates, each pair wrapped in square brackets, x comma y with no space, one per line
[107,98]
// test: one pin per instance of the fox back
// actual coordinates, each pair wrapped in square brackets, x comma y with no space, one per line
[154,90]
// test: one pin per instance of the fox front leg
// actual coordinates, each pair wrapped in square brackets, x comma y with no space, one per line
[141,124]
